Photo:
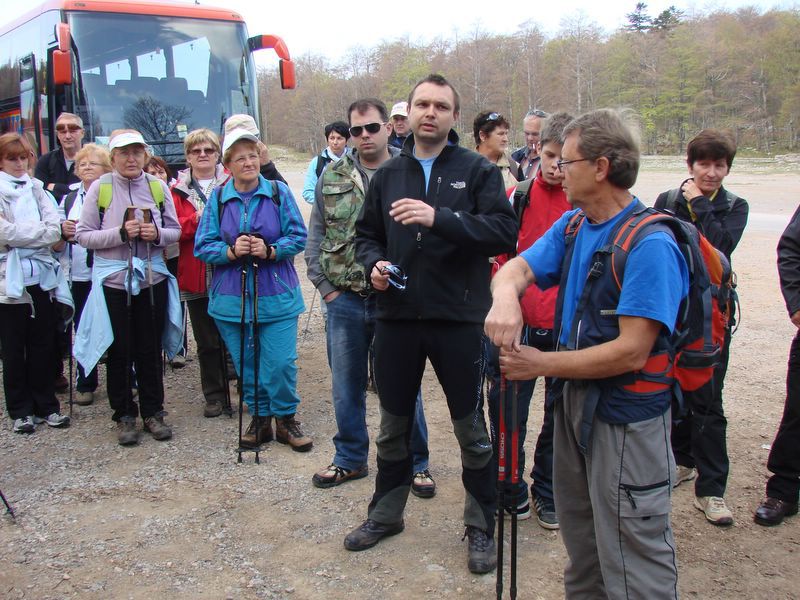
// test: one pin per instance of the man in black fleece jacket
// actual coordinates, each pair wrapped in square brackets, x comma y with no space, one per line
[438,212]
[784,457]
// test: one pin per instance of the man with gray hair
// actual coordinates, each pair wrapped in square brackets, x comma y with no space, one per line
[528,157]
[612,455]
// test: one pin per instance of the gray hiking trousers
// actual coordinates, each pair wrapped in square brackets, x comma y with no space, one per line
[613,504]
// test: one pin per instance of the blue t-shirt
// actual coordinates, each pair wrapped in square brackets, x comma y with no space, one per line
[653,267]
[427,165]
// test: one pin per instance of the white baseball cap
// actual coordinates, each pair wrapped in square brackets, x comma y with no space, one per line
[126,138]
[234,136]
[399,110]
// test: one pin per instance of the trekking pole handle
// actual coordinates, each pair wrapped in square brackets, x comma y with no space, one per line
[147,215]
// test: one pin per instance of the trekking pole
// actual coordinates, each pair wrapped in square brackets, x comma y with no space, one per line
[69,329]
[310,310]
[501,483]
[130,214]
[147,217]
[242,332]
[9,510]
[226,406]
[256,354]
[514,481]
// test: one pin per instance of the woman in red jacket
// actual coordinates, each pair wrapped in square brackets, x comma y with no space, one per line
[190,193]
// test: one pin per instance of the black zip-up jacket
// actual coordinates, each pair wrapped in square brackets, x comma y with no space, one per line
[721,221]
[51,168]
[789,264]
[447,265]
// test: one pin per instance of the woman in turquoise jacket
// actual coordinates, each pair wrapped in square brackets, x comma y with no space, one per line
[254,224]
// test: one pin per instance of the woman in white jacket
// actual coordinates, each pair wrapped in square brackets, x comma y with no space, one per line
[31,282]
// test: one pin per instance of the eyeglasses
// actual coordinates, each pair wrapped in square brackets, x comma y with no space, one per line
[357,130]
[535,112]
[71,128]
[199,151]
[86,165]
[246,158]
[561,163]
[397,276]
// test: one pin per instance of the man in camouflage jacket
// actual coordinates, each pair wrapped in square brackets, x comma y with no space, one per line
[347,292]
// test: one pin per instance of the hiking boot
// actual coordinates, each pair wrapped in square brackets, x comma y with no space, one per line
[334,475]
[714,508]
[481,550]
[178,362]
[423,485]
[370,533]
[53,420]
[84,398]
[545,512]
[157,428]
[684,474]
[287,431]
[24,425]
[212,409]
[772,511]
[258,432]
[126,432]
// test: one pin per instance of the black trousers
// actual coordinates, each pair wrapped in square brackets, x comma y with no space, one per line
[137,337]
[80,293]
[213,376]
[455,351]
[27,339]
[784,457]
[699,439]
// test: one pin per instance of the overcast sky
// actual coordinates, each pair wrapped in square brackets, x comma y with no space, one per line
[331,28]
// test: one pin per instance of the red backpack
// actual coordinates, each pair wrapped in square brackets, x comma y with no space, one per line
[699,335]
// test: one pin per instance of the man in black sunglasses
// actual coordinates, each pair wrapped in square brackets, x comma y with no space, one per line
[345,288]
[438,212]
[527,157]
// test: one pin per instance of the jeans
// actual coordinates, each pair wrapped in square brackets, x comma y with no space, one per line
[351,326]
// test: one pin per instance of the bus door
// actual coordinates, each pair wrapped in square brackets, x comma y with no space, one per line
[30,101]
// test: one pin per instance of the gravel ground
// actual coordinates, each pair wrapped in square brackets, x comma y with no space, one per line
[182,519]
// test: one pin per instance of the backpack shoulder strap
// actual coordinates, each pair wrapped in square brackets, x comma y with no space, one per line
[69,201]
[104,195]
[522,198]
[671,204]
[276,194]
[322,162]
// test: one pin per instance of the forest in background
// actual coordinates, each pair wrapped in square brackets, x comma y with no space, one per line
[738,71]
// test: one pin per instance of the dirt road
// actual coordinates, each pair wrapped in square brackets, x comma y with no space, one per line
[182,519]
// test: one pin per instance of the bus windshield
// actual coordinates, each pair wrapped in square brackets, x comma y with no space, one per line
[163,76]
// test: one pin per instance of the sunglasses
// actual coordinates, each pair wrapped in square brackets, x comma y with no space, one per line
[397,276]
[357,130]
[70,128]
[537,113]
[199,151]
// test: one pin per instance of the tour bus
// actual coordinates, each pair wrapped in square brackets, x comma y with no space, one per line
[163,68]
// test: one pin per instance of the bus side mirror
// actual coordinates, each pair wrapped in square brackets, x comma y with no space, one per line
[262,42]
[288,79]
[62,68]
[62,57]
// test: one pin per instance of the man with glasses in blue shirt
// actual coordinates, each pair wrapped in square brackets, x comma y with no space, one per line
[438,212]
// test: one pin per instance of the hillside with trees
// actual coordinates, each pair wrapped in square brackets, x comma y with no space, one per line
[734,70]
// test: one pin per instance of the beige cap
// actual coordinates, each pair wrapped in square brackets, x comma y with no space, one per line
[241,121]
